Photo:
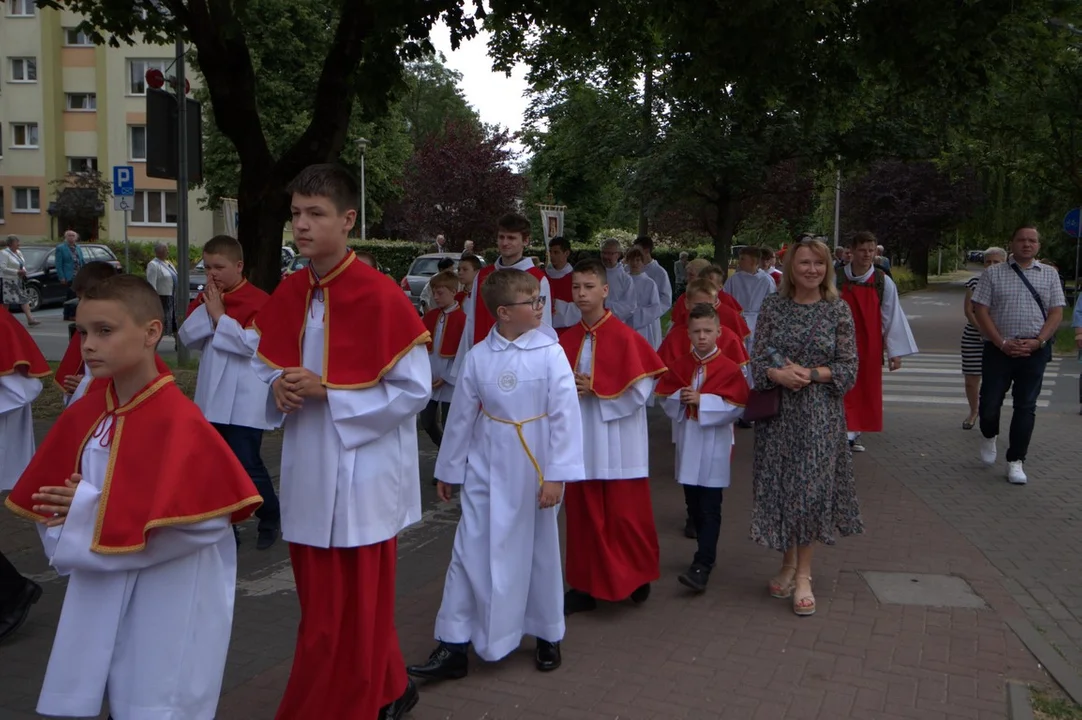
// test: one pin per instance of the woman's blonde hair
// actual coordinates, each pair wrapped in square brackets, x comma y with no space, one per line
[827,288]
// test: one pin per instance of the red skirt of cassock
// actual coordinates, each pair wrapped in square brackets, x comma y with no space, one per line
[611,539]
[348,663]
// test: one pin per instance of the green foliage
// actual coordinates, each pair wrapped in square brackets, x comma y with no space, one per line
[395,255]
[79,202]
[906,280]
[141,253]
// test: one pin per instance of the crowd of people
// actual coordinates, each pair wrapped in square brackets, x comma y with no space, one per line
[534,383]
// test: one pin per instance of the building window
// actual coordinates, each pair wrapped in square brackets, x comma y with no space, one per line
[24,135]
[137,71]
[21,8]
[27,200]
[2,206]
[82,102]
[24,70]
[137,142]
[76,37]
[154,207]
[82,164]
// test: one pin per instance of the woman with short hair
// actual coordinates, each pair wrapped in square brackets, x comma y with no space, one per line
[13,279]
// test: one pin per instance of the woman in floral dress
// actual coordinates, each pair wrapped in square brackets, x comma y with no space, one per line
[803,474]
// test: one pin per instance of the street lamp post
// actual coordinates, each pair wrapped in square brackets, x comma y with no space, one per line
[362,143]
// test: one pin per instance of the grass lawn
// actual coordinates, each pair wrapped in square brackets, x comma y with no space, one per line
[1053,705]
[51,401]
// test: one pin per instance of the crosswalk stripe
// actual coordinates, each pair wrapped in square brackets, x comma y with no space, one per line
[914,372]
[944,400]
[934,380]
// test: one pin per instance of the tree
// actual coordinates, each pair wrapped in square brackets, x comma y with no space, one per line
[362,64]
[79,202]
[433,99]
[458,183]
[910,206]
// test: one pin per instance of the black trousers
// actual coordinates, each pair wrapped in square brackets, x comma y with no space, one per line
[704,508]
[1023,376]
[245,443]
[11,582]
[433,418]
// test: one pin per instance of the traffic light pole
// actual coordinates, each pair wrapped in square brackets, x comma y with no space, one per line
[182,196]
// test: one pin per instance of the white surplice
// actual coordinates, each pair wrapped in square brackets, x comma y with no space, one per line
[897,336]
[81,388]
[646,319]
[442,366]
[525,264]
[703,445]
[621,300]
[150,629]
[227,388]
[750,289]
[350,469]
[16,426]
[505,578]
[660,277]
[564,313]
[615,443]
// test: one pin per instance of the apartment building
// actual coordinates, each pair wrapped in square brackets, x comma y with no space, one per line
[67,105]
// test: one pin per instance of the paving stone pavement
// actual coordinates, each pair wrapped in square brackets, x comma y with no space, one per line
[733,652]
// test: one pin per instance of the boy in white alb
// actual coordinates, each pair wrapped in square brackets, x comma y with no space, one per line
[704,394]
[749,286]
[228,391]
[445,323]
[646,320]
[141,528]
[514,424]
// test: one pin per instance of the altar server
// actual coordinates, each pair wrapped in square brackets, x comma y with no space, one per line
[565,313]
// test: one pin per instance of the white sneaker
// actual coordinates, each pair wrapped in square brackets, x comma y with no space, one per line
[988,450]
[857,447]
[1015,474]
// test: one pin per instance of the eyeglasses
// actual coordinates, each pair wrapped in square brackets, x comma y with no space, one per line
[537,303]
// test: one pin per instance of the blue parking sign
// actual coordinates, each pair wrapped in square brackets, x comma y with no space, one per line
[123,180]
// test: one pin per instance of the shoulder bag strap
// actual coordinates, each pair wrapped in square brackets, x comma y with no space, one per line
[1032,290]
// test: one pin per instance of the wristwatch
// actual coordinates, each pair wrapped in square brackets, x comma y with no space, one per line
[1042,342]
[815,375]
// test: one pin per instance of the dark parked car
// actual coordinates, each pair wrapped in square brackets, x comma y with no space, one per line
[42,284]
[975,256]
[421,271]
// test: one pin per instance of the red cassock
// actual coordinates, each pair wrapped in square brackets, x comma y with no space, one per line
[561,290]
[242,303]
[167,466]
[864,403]
[347,663]
[454,324]
[461,295]
[18,351]
[721,377]
[677,344]
[482,318]
[612,546]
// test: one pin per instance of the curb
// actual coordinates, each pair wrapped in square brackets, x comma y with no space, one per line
[1049,658]
[1018,701]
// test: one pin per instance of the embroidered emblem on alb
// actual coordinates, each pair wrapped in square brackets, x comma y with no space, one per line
[507,381]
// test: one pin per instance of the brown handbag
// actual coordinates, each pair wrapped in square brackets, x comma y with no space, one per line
[766,404]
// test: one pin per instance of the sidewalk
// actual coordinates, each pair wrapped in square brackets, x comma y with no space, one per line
[733,652]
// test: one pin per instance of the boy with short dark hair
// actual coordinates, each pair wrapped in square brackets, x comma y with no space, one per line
[141,529]
[565,314]
[612,547]
[72,375]
[445,324]
[232,397]
[350,477]
[704,394]
[444,264]
[514,423]
[468,267]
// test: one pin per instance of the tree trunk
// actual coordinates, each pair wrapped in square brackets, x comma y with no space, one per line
[262,215]
[728,212]
[647,133]
[918,264]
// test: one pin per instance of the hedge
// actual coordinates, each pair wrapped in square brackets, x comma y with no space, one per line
[141,253]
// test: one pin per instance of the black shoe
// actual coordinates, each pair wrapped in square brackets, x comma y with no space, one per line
[236,535]
[744,424]
[16,612]
[695,578]
[578,601]
[267,537]
[642,592]
[401,706]
[445,663]
[689,529]
[547,656]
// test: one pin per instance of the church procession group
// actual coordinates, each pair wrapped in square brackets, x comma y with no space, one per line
[535,383]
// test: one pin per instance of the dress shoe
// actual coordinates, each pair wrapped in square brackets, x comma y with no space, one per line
[696,578]
[578,601]
[18,608]
[547,656]
[445,663]
[642,592]
[398,709]
[267,537]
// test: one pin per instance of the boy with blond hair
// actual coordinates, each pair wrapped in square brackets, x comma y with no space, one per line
[514,425]
[445,323]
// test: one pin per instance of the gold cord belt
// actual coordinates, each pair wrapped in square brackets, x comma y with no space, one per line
[517,424]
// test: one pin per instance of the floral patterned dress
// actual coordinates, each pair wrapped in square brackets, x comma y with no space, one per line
[803,473]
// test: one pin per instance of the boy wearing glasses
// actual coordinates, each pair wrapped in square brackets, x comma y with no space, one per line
[513,438]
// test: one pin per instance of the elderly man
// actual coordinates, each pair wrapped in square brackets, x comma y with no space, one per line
[440,246]
[162,275]
[69,258]
[680,273]
[467,247]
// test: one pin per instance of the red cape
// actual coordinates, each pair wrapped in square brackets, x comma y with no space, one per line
[167,466]
[864,402]
[18,351]
[71,363]
[97,384]
[369,324]
[677,344]
[623,356]
[728,317]
[482,319]
[725,300]
[452,330]
[461,295]
[242,303]
[561,287]
[722,377]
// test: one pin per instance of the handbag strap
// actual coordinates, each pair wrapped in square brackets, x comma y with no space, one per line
[1029,286]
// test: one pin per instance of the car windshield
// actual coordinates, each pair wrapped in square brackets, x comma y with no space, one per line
[425,266]
[35,256]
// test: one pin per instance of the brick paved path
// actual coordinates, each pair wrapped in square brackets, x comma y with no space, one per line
[734,652]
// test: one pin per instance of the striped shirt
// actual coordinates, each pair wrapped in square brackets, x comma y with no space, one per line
[1010,304]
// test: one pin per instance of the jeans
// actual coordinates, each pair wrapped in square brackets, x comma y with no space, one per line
[433,418]
[999,372]
[245,443]
[704,506]
[11,583]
